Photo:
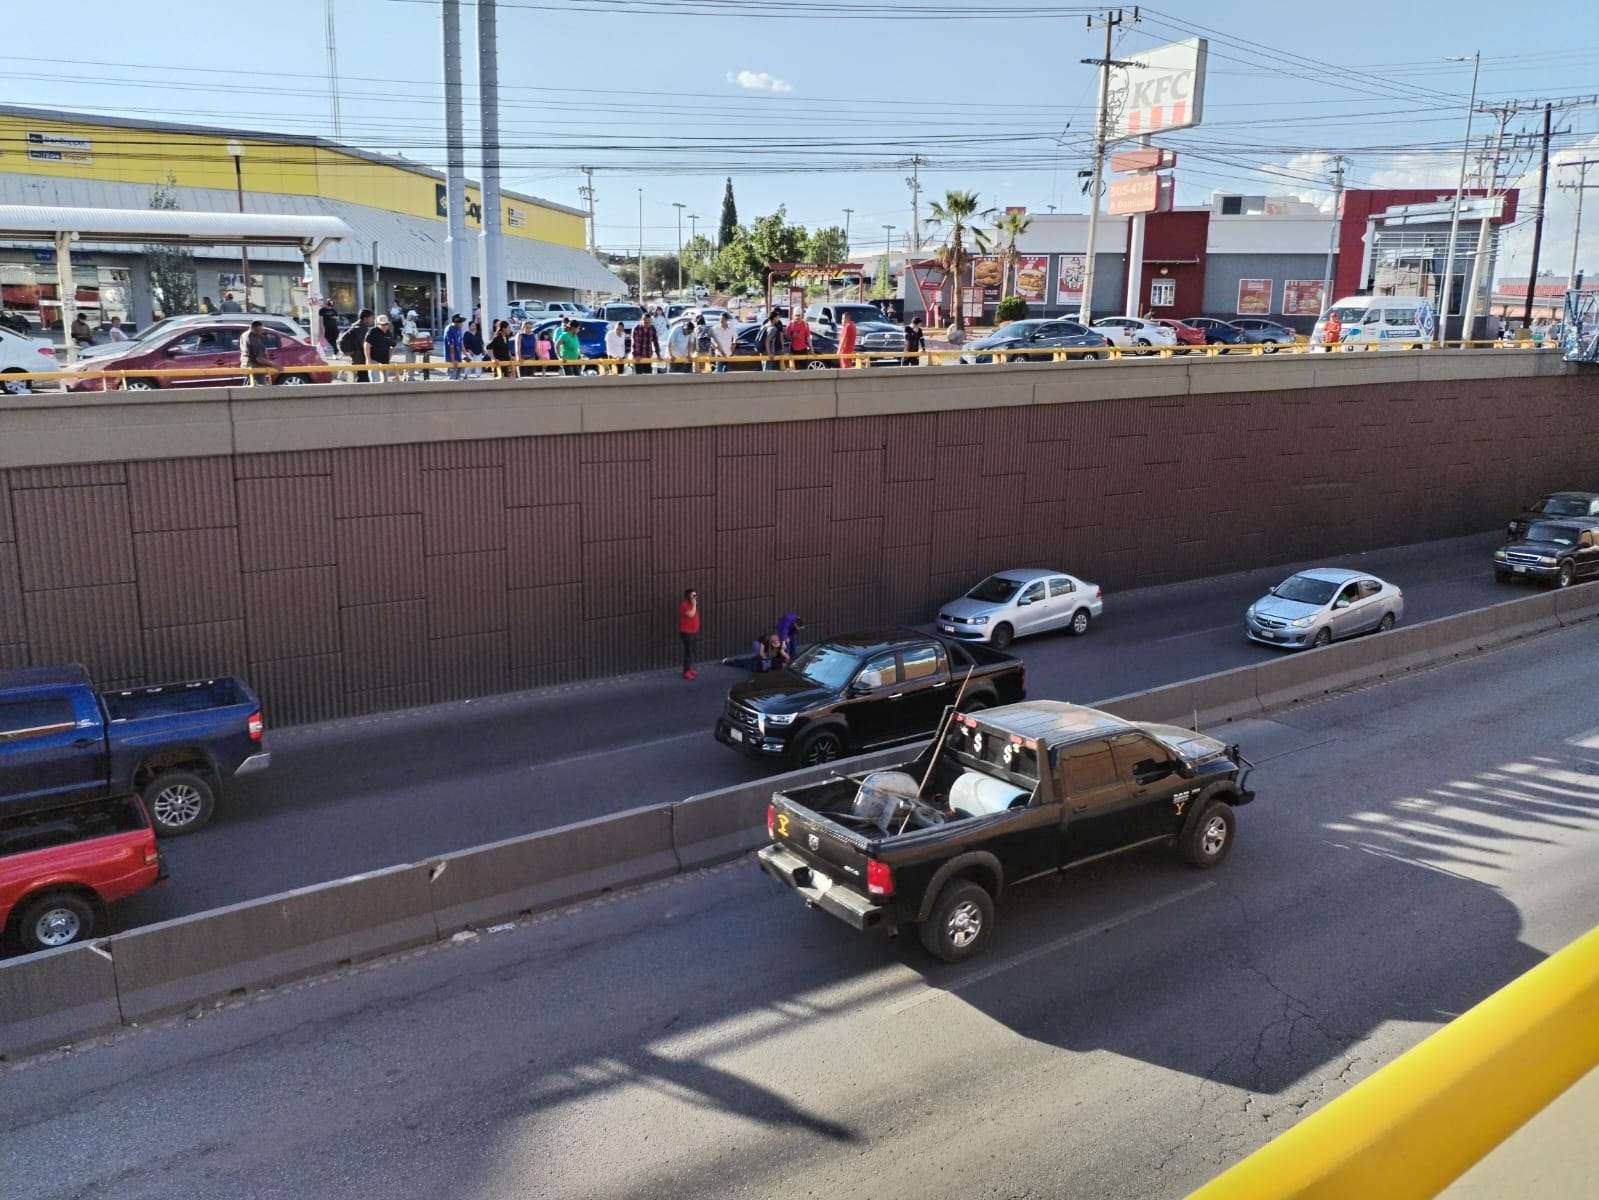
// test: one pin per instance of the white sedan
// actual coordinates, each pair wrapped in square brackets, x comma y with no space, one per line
[1135,333]
[19,355]
[1012,604]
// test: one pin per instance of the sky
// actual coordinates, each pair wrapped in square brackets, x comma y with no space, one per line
[819,105]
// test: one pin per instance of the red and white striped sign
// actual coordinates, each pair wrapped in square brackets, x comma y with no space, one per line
[1165,91]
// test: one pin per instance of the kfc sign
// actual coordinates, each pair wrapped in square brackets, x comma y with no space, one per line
[1165,91]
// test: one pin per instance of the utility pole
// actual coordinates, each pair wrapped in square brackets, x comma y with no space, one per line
[491,236]
[888,246]
[1479,273]
[641,247]
[693,226]
[1537,224]
[680,207]
[1337,171]
[1109,21]
[333,69]
[459,281]
[847,213]
[915,182]
[1582,166]
[587,192]
[1454,213]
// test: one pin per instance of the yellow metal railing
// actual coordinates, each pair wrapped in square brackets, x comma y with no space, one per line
[1419,1123]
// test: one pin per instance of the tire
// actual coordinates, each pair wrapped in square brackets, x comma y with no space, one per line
[138,385]
[15,387]
[1567,576]
[1080,622]
[55,919]
[1002,636]
[818,747]
[1323,638]
[1143,346]
[978,703]
[817,364]
[1271,347]
[1209,838]
[293,380]
[961,922]
[180,802]
[1386,623]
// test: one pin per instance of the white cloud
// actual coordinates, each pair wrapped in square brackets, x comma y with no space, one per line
[758,81]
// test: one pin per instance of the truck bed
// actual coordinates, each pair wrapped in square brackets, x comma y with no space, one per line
[172,699]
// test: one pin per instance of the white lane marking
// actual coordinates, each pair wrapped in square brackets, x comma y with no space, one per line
[1196,632]
[613,751]
[1071,939]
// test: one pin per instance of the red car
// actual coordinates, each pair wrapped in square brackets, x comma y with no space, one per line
[60,866]
[203,345]
[1187,335]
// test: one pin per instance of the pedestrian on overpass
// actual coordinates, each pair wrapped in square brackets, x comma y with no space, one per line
[646,346]
[847,333]
[678,345]
[722,335]
[799,334]
[688,629]
[380,346]
[453,344]
[663,334]
[527,350]
[253,354]
[472,343]
[771,344]
[353,343]
[616,347]
[568,349]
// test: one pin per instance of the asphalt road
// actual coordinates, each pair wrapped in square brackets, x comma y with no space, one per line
[355,796]
[1136,1026]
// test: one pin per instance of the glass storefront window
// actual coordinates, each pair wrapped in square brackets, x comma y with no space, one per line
[281,294]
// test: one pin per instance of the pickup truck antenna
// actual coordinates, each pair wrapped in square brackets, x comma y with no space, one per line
[1196,720]
[938,742]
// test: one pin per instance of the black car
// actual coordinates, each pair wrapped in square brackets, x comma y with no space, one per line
[15,322]
[746,342]
[1556,552]
[859,692]
[1573,506]
[1218,333]
[1034,341]
[1257,331]
[1004,796]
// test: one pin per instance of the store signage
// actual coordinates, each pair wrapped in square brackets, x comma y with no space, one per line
[1254,297]
[988,273]
[1032,277]
[1302,298]
[441,199]
[1069,278]
[1146,158]
[1165,91]
[1139,194]
[55,147]
[515,217]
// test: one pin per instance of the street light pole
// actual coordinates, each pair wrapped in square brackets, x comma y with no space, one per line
[680,207]
[641,247]
[236,149]
[1332,236]
[1454,212]
[847,213]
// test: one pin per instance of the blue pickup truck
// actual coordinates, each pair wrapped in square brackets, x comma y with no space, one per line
[175,744]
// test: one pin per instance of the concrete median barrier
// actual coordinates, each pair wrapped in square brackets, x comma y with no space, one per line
[169,966]
[55,997]
[543,870]
[1577,604]
[1523,617]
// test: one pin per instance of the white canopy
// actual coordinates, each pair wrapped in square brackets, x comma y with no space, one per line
[23,222]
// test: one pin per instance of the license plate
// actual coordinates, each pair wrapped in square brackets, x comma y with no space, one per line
[736,735]
[1521,570]
[1266,633]
[947,628]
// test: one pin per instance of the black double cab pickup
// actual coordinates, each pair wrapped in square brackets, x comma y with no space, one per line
[1558,553]
[1579,507]
[1014,793]
[863,692]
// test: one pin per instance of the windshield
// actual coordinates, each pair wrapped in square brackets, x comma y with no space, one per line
[1562,506]
[1544,531]
[860,312]
[623,312]
[996,589]
[830,666]
[1349,314]
[1306,589]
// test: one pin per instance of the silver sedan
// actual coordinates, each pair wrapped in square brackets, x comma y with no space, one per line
[1013,604]
[1315,607]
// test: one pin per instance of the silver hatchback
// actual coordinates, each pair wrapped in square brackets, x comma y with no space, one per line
[1318,606]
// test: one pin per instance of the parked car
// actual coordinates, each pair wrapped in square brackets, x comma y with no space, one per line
[746,342]
[1135,333]
[854,693]
[213,343]
[275,322]
[174,744]
[1015,793]
[1573,505]
[1187,335]
[62,865]
[1318,606]
[1555,552]
[1258,331]
[16,322]
[624,311]
[1033,341]
[20,355]
[1013,604]
[874,332]
[590,337]
[1217,333]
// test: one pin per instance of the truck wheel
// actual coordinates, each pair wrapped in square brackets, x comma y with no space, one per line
[820,747]
[1207,841]
[1002,636]
[1567,574]
[55,919]
[179,802]
[1079,625]
[959,925]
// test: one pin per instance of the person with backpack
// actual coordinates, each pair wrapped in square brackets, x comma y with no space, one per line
[353,343]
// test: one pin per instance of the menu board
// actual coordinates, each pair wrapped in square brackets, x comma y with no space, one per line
[1032,277]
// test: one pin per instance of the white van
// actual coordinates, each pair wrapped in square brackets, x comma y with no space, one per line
[1396,319]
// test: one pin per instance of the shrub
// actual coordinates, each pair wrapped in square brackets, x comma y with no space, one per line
[1011,308]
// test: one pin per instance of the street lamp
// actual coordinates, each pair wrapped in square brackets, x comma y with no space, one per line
[888,248]
[847,213]
[680,208]
[236,149]
[1460,187]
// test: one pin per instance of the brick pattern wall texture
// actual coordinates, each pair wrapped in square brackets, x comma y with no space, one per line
[342,582]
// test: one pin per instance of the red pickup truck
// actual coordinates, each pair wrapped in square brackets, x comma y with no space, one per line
[61,866]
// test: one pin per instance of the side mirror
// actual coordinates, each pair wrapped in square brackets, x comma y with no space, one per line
[1341,602]
[1272,591]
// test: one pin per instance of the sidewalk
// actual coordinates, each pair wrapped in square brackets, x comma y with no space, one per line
[1554,1156]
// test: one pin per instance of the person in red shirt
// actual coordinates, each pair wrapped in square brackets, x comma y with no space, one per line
[846,341]
[799,335]
[688,628]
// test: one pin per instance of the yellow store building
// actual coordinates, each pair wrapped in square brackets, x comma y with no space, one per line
[394,207]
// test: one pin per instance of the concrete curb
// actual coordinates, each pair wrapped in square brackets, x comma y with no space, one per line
[62,995]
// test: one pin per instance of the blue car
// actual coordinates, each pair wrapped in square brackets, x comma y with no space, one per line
[590,336]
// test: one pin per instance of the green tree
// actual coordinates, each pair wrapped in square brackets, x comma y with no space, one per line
[1011,308]
[958,212]
[827,246]
[1009,227]
[172,283]
[699,256]
[773,240]
[660,272]
[728,229]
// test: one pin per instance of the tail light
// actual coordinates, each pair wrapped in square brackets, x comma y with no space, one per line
[771,821]
[879,878]
[256,726]
[152,856]
[1099,593]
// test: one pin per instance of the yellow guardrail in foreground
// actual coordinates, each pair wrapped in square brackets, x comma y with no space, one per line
[550,368]
[1420,1122]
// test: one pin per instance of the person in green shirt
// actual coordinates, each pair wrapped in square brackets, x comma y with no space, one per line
[567,348]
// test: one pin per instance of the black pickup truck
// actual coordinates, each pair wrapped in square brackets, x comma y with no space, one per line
[1014,793]
[861,692]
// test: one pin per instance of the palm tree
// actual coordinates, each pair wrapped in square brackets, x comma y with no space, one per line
[1011,225]
[959,212]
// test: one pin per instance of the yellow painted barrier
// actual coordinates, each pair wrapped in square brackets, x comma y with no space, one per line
[1419,1123]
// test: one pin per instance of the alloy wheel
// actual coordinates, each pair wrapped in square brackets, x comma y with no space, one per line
[176,805]
[965,924]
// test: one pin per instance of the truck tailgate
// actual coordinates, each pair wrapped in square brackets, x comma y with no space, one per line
[825,845]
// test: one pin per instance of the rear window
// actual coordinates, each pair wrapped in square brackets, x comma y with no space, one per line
[623,312]
[1003,754]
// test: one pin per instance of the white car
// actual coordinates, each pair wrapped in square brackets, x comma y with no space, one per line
[1134,333]
[1013,604]
[20,355]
